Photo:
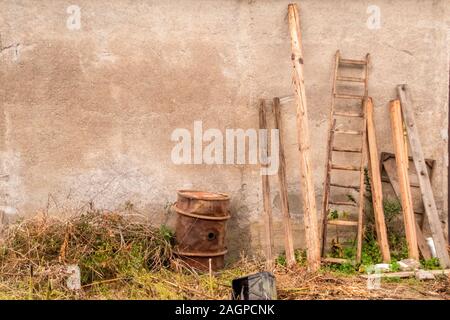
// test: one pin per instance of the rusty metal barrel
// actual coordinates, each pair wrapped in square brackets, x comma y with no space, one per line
[201,227]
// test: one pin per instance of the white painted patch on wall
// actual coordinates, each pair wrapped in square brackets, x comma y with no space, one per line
[106,57]
[8,210]
[11,188]
[15,50]
[228,73]
[444,134]
[187,186]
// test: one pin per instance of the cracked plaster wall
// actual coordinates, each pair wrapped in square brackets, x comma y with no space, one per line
[87,114]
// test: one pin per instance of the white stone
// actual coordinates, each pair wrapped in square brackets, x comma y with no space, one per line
[408,264]
[74,279]
[382,267]
[424,275]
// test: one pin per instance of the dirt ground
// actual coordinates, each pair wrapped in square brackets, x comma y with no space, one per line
[125,259]
[333,286]
[291,285]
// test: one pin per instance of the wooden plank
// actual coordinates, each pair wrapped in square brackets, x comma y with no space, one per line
[326,187]
[343,203]
[345,167]
[348,96]
[388,159]
[411,184]
[266,192]
[348,223]
[375,178]
[348,114]
[413,179]
[352,61]
[354,150]
[422,243]
[345,186]
[407,274]
[309,200]
[362,188]
[436,227]
[351,132]
[403,178]
[350,79]
[389,167]
[430,162]
[335,260]
[288,238]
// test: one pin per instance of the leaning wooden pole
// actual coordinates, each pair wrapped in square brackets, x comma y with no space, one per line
[403,178]
[309,201]
[288,239]
[426,190]
[375,177]
[266,190]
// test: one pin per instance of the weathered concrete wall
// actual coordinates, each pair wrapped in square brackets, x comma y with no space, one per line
[88,114]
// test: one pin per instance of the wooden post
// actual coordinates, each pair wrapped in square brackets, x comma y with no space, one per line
[375,177]
[403,178]
[288,239]
[309,201]
[266,190]
[422,173]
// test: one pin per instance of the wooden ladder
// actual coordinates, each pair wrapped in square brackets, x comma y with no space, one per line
[361,149]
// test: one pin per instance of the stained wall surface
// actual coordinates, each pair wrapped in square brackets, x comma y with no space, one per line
[87,114]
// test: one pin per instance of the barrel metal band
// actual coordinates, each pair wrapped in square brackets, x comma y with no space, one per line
[200,216]
[202,254]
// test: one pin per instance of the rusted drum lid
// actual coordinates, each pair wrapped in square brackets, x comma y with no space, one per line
[203,205]
[203,195]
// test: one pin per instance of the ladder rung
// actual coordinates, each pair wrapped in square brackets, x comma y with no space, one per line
[343,203]
[348,114]
[341,167]
[335,260]
[348,96]
[351,61]
[355,132]
[356,150]
[343,223]
[337,185]
[350,79]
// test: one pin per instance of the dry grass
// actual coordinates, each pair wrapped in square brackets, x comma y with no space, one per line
[291,284]
[104,245]
[330,285]
[125,258]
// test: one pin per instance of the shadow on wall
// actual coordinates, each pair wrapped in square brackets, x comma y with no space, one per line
[239,236]
[245,236]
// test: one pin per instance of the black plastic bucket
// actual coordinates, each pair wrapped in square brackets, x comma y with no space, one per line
[258,286]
